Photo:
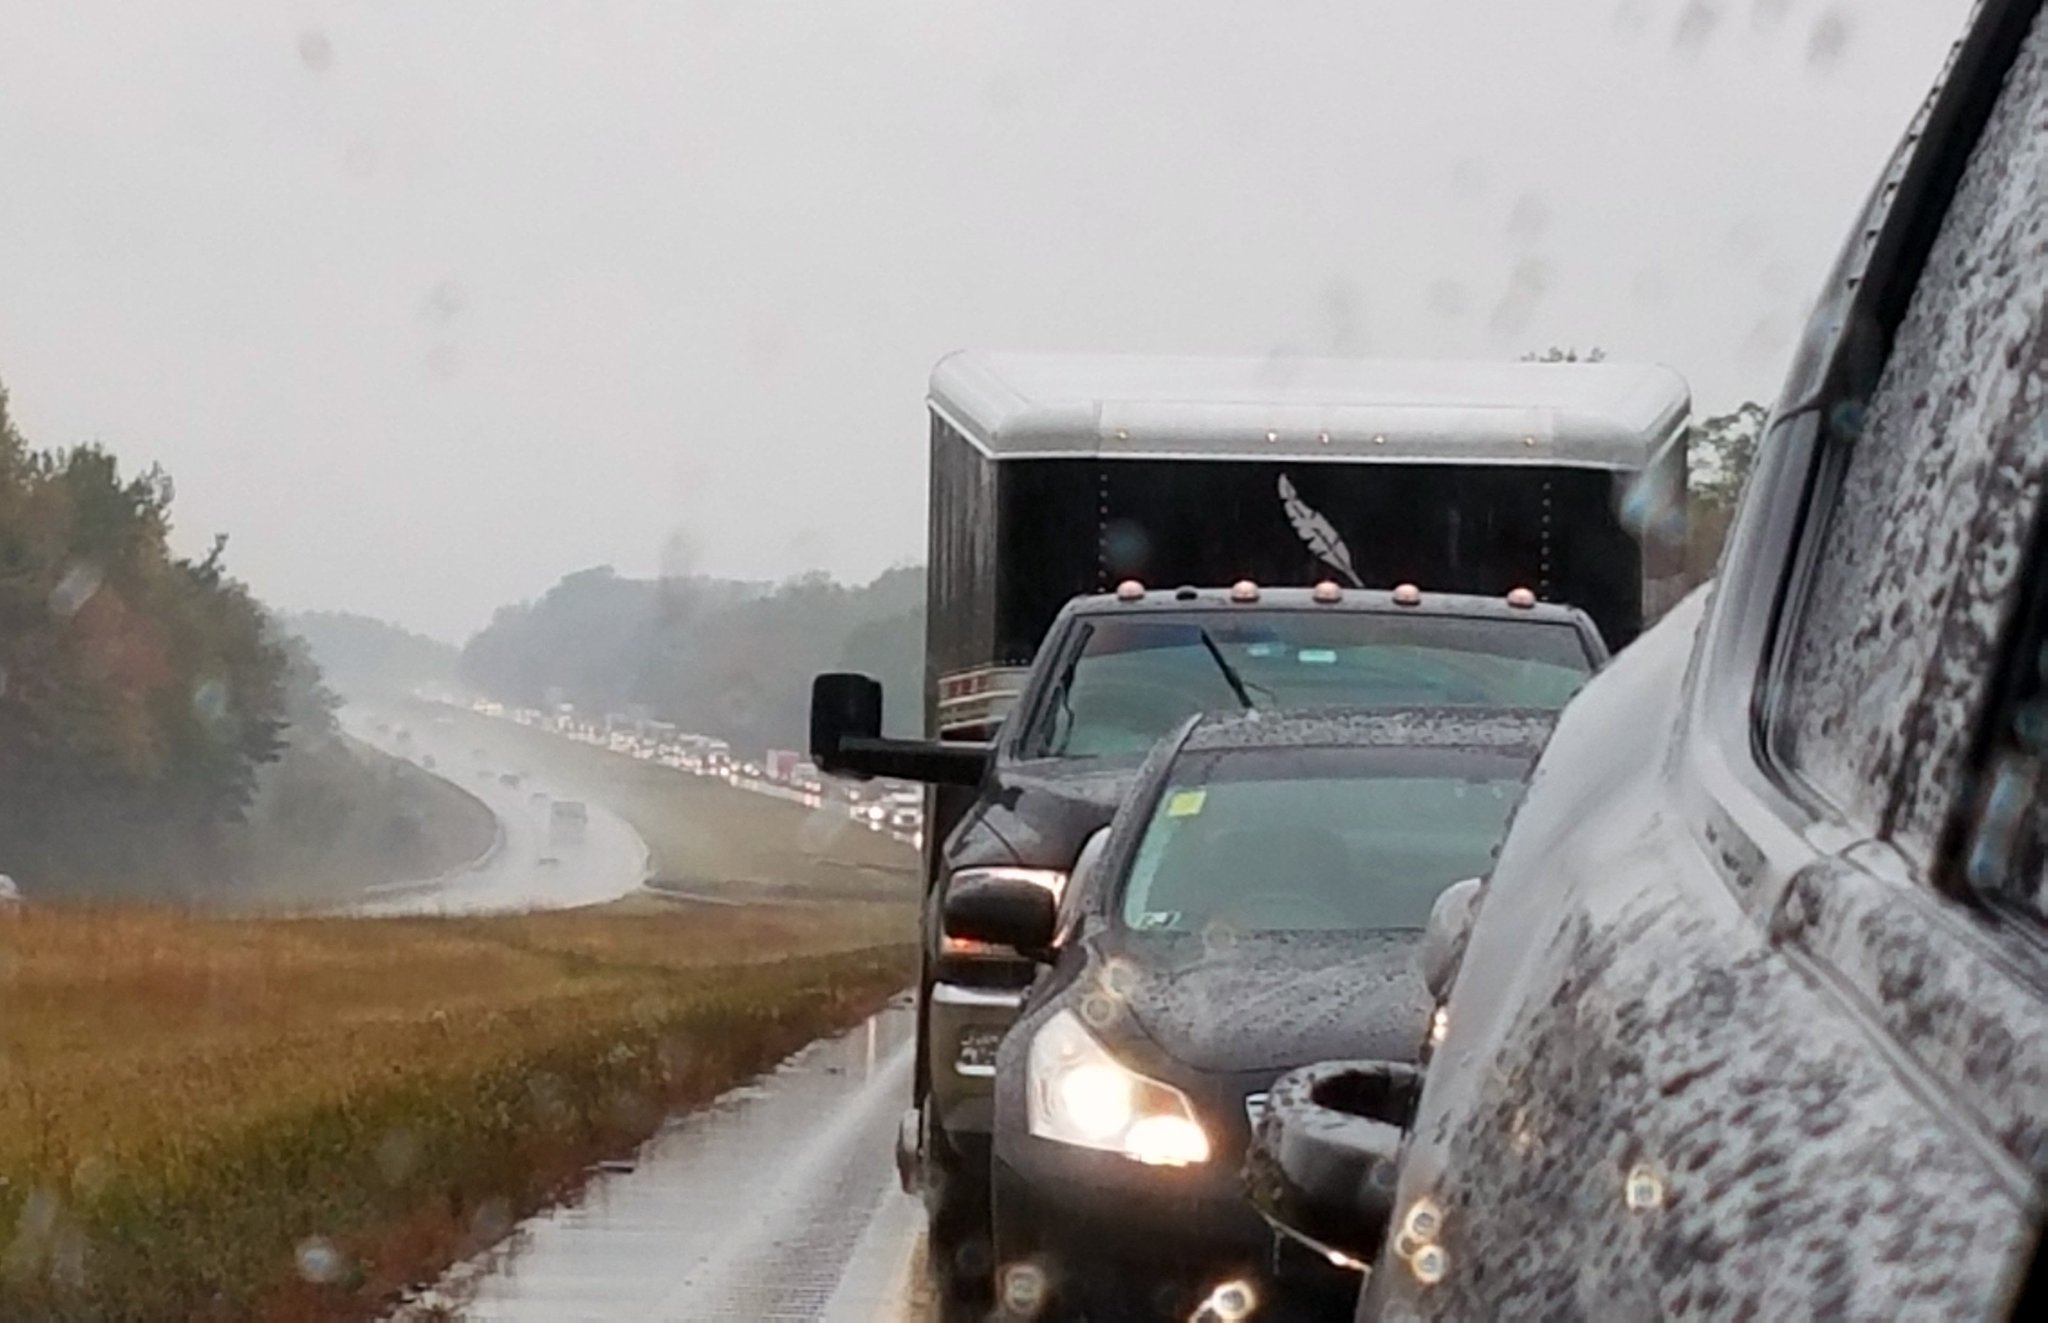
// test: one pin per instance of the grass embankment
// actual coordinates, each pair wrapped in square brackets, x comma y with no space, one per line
[291,1119]
[705,835]
[344,818]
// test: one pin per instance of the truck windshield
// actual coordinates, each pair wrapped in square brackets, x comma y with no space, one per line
[1133,680]
[1303,839]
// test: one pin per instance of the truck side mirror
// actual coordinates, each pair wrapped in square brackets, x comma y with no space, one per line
[844,705]
[1443,938]
[1003,911]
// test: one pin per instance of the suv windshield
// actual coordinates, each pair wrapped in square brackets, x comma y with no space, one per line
[1323,839]
[1133,680]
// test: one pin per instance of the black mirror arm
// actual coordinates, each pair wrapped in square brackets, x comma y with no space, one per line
[935,762]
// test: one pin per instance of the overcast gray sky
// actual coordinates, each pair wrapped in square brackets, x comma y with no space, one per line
[428,303]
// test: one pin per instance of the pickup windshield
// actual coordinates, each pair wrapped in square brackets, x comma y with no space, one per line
[1133,680]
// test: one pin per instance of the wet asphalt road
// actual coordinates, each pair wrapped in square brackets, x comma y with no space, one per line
[777,1202]
[609,862]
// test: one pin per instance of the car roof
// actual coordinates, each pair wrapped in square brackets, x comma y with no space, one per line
[1586,415]
[1506,730]
[1354,600]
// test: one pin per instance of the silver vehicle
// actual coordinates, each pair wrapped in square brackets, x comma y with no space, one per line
[1752,1019]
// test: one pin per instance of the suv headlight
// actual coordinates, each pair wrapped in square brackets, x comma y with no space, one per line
[1052,879]
[1075,1092]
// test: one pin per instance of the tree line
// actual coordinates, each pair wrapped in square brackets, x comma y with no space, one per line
[161,734]
[140,691]
[714,656]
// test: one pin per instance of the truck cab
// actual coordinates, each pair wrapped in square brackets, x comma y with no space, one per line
[1369,533]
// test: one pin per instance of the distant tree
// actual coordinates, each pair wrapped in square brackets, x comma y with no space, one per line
[361,656]
[139,691]
[1722,451]
[717,657]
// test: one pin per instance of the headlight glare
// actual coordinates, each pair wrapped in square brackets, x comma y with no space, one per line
[1077,1093]
[1096,1098]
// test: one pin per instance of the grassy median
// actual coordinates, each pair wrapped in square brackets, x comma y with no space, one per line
[275,1118]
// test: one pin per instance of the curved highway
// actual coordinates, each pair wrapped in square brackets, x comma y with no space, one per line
[525,869]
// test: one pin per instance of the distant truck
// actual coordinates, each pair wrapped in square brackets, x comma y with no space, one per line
[1356,532]
[781,764]
[568,819]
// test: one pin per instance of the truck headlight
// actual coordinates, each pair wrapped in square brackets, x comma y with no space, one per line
[1075,1092]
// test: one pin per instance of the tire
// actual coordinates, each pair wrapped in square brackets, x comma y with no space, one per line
[959,1252]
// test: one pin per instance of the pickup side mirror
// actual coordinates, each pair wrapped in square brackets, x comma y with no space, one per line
[1443,938]
[1003,911]
[847,739]
[1324,1156]
[843,705]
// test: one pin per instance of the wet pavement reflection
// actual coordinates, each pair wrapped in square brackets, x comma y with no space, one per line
[777,1201]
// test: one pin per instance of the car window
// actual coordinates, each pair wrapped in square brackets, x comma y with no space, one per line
[1135,680]
[1314,840]
[1919,555]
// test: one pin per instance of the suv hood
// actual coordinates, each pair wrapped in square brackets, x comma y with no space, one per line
[1278,1000]
[1039,814]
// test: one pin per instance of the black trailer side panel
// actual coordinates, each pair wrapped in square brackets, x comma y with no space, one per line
[960,625]
[1070,526]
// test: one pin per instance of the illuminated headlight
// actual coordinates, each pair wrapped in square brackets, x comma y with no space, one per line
[1077,1093]
[1439,1025]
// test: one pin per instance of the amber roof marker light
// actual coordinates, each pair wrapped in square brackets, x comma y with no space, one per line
[1407,594]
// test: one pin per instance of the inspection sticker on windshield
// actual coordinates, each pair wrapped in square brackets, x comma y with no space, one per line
[1185,803]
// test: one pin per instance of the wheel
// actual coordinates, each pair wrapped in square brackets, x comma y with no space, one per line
[959,1254]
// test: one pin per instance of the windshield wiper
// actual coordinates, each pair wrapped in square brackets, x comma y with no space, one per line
[1230,675]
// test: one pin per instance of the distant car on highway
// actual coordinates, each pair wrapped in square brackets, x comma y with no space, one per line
[1255,905]
[509,779]
[567,821]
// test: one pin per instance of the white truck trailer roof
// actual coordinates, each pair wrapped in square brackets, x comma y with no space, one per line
[1041,406]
